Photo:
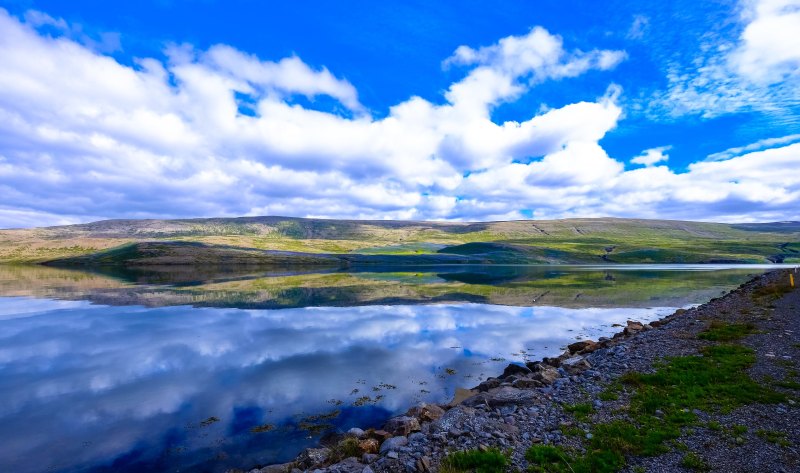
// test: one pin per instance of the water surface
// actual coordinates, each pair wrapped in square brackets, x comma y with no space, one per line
[182,370]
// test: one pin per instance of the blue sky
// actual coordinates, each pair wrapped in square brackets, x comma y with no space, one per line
[406,110]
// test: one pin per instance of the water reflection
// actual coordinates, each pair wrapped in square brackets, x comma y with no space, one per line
[102,373]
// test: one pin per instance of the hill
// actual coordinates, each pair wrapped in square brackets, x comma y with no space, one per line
[289,241]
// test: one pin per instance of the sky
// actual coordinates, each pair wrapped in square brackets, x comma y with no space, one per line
[406,110]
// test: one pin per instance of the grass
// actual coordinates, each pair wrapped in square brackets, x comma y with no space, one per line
[663,403]
[774,436]
[694,462]
[476,461]
[720,331]
[581,411]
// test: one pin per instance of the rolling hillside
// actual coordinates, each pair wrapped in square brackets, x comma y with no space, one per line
[287,241]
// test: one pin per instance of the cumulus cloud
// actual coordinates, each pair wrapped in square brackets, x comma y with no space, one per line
[770,44]
[219,132]
[652,156]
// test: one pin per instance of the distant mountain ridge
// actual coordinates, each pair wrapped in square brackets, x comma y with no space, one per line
[273,240]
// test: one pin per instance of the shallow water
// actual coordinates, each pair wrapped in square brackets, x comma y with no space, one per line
[176,370]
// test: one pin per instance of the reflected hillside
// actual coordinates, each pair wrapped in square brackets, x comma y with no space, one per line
[562,286]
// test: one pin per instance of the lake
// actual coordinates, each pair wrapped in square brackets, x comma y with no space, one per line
[186,369]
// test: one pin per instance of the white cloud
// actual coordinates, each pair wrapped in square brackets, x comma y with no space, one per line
[760,71]
[639,27]
[85,137]
[652,156]
[770,44]
[758,145]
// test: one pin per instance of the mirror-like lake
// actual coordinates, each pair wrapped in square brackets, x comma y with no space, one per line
[182,370]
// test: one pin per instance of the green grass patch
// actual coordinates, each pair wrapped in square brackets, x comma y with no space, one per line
[608,395]
[774,436]
[788,385]
[490,461]
[662,404]
[694,462]
[715,380]
[714,425]
[720,331]
[581,411]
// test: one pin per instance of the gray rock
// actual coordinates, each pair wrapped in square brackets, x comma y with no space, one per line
[282,468]
[357,432]
[514,369]
[402,425]
[312,456]
[393,444]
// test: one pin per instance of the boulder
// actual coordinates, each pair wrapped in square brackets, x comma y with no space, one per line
[454,418]
[356,432]
[312,456]
[575,364]
[426,412]
[502,396]
[513,369]
[402,425]
[393,444]
[632,327]
[547,375]
[490,383]
[584,346]
[379,435]
[369,445]
[525,383]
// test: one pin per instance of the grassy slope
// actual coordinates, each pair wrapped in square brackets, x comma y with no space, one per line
[555,241]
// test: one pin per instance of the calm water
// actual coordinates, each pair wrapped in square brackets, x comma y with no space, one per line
[184,370]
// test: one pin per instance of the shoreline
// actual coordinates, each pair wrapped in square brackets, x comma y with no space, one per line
[535,404]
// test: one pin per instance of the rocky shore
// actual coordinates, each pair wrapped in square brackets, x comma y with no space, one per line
[725,398]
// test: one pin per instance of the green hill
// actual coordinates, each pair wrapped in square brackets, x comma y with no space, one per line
[287,241]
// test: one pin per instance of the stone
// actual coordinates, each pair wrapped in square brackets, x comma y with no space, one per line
[367,469]
[455,417]
[282,468]
[369,458]
[547,375]
[426,412]
[380,435]
[575,364]
[393,444]
[502,396]
[633,327]
[348,465]
[393,455]
[402,425]
[355,431]
[312,456]
[490,383]
[369,445]
[525,383]
[514,369]
[584,346]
